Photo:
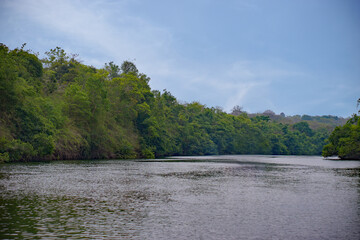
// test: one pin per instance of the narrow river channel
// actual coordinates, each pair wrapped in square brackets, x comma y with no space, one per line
[212,197]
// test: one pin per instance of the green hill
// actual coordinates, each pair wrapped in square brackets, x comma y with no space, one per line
[58,108]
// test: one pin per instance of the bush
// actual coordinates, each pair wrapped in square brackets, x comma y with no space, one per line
[4,157]
[44,144]
[20,151]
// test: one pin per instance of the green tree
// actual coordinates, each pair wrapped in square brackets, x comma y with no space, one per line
[129,67]
[113,70]
[8,98]
[303,127]
[345,141]
[68,110]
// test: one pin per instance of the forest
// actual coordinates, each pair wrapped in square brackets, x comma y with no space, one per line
[59,108]
[344,141]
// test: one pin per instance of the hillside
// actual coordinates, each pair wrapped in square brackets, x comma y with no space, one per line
[58,108]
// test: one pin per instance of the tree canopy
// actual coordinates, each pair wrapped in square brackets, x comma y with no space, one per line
[344,141]
[58,108]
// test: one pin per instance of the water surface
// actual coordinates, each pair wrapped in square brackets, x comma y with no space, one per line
[215,197]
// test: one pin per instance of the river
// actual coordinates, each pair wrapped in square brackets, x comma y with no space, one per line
[212,197]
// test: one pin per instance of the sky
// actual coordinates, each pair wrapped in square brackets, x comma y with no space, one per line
[296,57]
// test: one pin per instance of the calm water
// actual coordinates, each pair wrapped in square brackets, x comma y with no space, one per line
[222,197]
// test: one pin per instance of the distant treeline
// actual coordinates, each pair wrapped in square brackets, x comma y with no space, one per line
[58,108]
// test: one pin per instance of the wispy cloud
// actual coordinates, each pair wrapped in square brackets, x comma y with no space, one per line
[246,83]
[177,58]
[244,79]
[107,31]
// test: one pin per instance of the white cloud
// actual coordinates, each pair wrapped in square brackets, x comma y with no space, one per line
[106,31]
[249,83]
[102,31]
[245,83]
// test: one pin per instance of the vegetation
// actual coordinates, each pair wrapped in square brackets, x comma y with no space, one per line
[59,108]
[344,141]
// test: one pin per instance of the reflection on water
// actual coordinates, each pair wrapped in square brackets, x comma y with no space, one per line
[216,197]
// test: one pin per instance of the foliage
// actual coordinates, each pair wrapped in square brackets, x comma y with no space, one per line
[59,108]
[344,141]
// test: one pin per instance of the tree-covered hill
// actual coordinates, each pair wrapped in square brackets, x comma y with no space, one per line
[58,108]
[315,122]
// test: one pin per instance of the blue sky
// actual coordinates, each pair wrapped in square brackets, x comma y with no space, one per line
[296,57]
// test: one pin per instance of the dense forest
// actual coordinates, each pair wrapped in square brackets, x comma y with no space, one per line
[58,108]
[344,141]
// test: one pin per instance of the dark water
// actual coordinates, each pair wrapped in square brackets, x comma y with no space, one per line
[223,197]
